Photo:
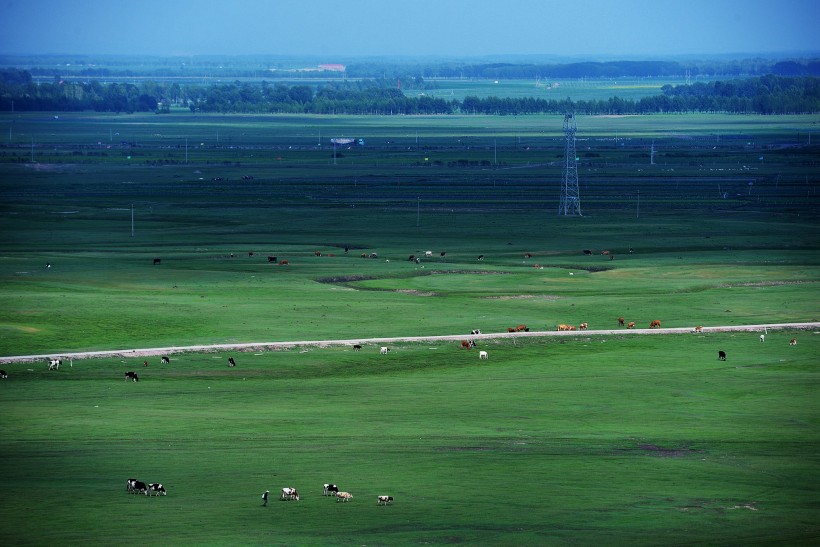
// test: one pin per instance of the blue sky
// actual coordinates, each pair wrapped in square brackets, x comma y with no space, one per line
[452,28]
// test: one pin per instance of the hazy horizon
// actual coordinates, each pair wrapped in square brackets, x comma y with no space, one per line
[423,28]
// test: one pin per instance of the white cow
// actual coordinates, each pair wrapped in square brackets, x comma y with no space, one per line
[483,355]
[343,496]
[384,350]
[762,337]
[290,494]
[428,254]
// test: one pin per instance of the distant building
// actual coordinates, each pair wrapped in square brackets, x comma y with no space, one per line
[332,67]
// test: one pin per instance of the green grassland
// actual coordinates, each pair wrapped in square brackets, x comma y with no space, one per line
[639,440]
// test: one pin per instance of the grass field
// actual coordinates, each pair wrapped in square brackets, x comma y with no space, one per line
[580,441]
[639,440]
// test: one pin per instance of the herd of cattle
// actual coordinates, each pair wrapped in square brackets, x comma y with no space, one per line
[291,494]
[133,486]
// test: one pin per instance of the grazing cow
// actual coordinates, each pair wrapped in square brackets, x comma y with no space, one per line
[587,252]
[54,364]
[272,259]
[630,325]
[563,327]
[442,254]
[467,344]
[384,500]
[721,355]
[522,328]
[620,321]
[164,360]
[364,255]
[481,257]
[129,485]
[411,258]
[357,347]
[284,263]
[139,487]
[157,261]
[156,488]
[343,496]
[290,494]
[699,328]
[418,260]
[374,255]
[317,253]
[3,375]
[231,362]
[475,331]
[583,326]
[428,254]
[792,342]
[145,363]
[483,355]
[762,337]
[131,375]
[656,324]
[510,329]
[250,253]
[383,350]
[330,490]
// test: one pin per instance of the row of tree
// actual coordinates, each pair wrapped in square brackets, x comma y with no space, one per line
[764,95]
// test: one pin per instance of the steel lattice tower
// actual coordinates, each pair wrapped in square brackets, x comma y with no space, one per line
[570,203]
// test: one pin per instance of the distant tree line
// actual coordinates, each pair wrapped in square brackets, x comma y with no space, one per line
[768,94]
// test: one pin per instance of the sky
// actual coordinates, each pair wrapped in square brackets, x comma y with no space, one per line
[441,28]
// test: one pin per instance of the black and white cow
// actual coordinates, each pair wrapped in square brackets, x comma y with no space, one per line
[3,374]
[54,364]
[475,331]
[721,355]
[231,362]
[155,488]
[384,500]
[164,360]
[129,485]
[131,375]
[138,487]
[330,490]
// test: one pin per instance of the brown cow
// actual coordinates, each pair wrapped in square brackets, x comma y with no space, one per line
[630,325]
[283,262]
[563,327]
[699,328]
[583,326]
[510,329]
[522,327]
[467,344]
[620,321]
[656,324]
[793,342]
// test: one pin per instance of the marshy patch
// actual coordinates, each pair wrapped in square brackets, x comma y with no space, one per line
[662,452]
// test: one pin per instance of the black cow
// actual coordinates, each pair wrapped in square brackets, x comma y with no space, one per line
[3,374]
[131,375]
[330,490]
[357,347]
[721,355]
[165,360]
[157,261]
[481,257]
[587,252]
[272,259]
[231,362]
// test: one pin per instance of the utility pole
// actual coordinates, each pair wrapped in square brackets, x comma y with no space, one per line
[570,202]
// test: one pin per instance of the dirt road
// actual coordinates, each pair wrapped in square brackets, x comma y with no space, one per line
[272,346]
